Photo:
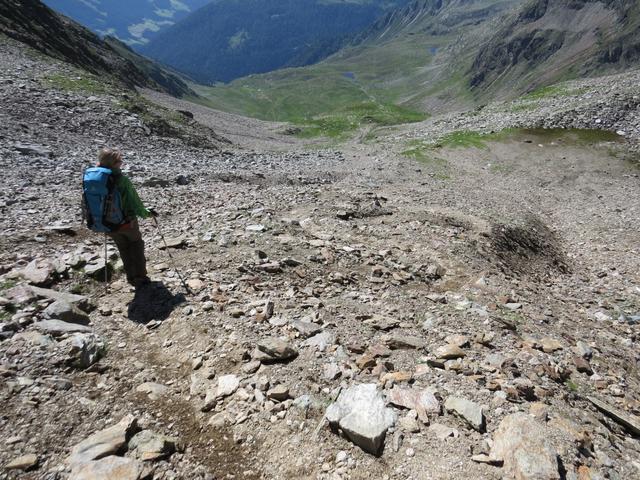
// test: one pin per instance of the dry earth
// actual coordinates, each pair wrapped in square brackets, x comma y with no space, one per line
[505,274]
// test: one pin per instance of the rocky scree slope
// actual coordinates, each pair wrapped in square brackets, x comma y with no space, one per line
[546,41]
[351,316]
[33,23]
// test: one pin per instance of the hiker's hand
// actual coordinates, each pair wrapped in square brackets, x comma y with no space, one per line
[153,212]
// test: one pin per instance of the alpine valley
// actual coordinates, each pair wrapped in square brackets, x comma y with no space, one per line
[396,240]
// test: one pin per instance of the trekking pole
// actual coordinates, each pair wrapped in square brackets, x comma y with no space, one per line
[173,262]
[106,268]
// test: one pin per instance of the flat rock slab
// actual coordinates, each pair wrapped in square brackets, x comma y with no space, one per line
[423,402]
[471,412]
[321,341]
[306,329]
[38,273]
[109,468]
[398,341]
[67,312]
[362,415]
[153,390]
[277,350]
[522,444]
[23,462]
[627,420]
[58,327]
[103,443]
[82,302]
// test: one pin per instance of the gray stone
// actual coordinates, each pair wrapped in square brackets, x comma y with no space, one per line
[306,329]
[468,410]
[38,273]
[627,420]
[449,352]
[33,149]
[80,301]
[84,349]
[397,341]
[279,393]
[104,442]
[521,443]
[147,445]
[34,338]
[277,350]
[443,432]
[67,312]
[23,462]
[320,341]
[58,327]
[153,390]
[109,468]
[360,412]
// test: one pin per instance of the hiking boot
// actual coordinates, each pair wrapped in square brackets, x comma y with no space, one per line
[141,281]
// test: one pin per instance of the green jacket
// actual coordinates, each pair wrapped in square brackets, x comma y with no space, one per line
[132,206]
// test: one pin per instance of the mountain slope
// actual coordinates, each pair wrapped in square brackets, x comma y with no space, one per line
[548,41]
[228,39]
[416,57]
[33,23]
[132,22]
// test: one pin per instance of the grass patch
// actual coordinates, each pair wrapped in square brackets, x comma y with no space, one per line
[341,124]
[471,139]
[7,284]
[553,91]
[82,82]
[571,385]
[422,152]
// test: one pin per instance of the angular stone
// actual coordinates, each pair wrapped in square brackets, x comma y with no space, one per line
[361,414]
[67,312]
[80,301]
[108,468]
[173,243]
[379,322]
[34,338]
[443,432]
[398,341]
[153,390]
[277,350]
[227,385]
[58,327]
[279,393]
[423,402]
[84,349]
[550,345]
[468,410]
[148,445]
[306,329]
[104,442]
[449,352]
[24,462]
[38,273]
[521,443]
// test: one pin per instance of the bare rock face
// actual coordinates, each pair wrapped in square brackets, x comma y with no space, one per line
[361,413]
[521,443]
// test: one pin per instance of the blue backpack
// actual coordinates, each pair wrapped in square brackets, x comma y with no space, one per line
[102,201]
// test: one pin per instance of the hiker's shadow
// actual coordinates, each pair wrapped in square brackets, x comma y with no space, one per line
[153,302]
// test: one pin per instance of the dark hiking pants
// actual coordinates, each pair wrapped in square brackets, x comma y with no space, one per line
[129,241]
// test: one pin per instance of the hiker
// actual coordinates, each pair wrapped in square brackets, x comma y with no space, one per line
[116,206]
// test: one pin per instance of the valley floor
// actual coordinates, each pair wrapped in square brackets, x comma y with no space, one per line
[491,275]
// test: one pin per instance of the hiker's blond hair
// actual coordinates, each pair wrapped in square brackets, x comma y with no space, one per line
[107,157]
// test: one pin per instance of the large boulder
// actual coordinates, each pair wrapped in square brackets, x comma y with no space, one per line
[109,468]
[67,312]
[84,349]
[360,412]
[523,445]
